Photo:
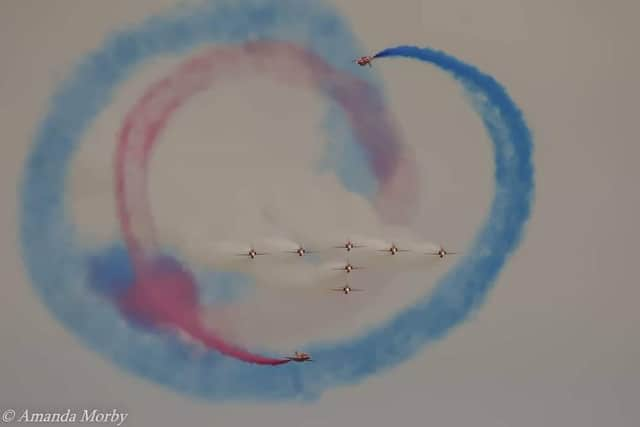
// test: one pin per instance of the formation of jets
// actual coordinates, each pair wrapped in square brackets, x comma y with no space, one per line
[349,246]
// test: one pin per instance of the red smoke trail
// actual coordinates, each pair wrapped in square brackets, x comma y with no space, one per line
[165,295]
[163,292]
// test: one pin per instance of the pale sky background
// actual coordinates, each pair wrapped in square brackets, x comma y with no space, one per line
[556,343]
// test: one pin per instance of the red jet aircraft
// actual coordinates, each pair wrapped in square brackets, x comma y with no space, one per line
[365,60]
[346,290]
[393,249]
[442,252]
[300,357]
[349,246]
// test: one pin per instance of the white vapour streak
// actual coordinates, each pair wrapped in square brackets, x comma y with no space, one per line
[278,265]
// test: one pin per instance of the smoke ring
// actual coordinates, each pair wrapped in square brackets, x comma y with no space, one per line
[55,261]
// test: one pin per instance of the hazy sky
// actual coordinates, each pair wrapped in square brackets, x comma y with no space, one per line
[555,344]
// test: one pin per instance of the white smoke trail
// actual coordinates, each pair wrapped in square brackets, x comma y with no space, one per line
[278,262]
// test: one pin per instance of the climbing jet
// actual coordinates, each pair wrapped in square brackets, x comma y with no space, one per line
[364,60]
